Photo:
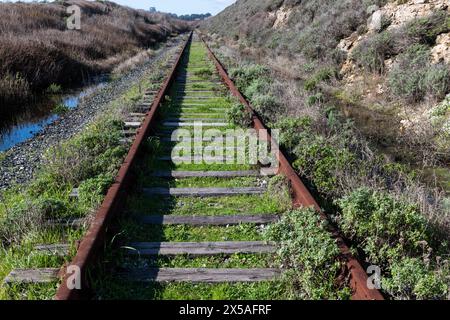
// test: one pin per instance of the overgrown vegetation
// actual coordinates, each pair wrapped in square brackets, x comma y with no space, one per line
[92,154]
[323,75]
[422,78]
[412,278]
[255,83]
[204,73]
[391,219]
[413,76]
[312,41]
[60,109]
[393,234]
[37,50]
[89,161]
[239,115]
[24,212]
[313,28]
[307,248]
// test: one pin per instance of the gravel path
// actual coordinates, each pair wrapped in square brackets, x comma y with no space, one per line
[22,160]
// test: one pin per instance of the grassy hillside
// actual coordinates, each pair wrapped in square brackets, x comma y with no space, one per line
[369,69]
[358,90]
[37,50]
[311,27]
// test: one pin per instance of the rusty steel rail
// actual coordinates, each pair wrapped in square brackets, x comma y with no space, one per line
[303,198]
[92,244]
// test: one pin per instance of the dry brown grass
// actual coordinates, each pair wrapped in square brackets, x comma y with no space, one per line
[37,48]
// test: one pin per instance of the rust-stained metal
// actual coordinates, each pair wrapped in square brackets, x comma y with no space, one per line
[92,243]
[303,198]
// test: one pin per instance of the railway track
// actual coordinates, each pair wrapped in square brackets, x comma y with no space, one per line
[179,221]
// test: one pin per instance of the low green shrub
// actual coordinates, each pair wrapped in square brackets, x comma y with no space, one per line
[324,74]
[316,157]
[95,151]
[315,99]
[320,161]
[256,87]
[254,81]
[293,131]
[411,278]
[437,81]
[60,109]
[238,115]
[307,248]
[266,105]
[204,73]
[385,228]
[425,30]
[310,84]
[53,89]
[92,191]
[371,53]
[414,76]
[245,75]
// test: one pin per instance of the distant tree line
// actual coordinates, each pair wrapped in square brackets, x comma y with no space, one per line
[192,17]
[186,17]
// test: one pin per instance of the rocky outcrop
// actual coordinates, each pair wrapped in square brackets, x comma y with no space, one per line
[441,52]
[399,14]
[392,16]
[281,17]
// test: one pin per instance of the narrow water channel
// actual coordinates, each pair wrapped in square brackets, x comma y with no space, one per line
[17,128]
[367,120]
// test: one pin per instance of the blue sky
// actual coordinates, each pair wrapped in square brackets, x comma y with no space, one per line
[178,6]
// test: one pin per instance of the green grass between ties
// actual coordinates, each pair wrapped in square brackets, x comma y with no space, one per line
[275,200]
[167,165]
[136,232]
[25,257]
[242,204]
[151,163]
[305,247]
[237,260]
[193,115]
[204,182]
